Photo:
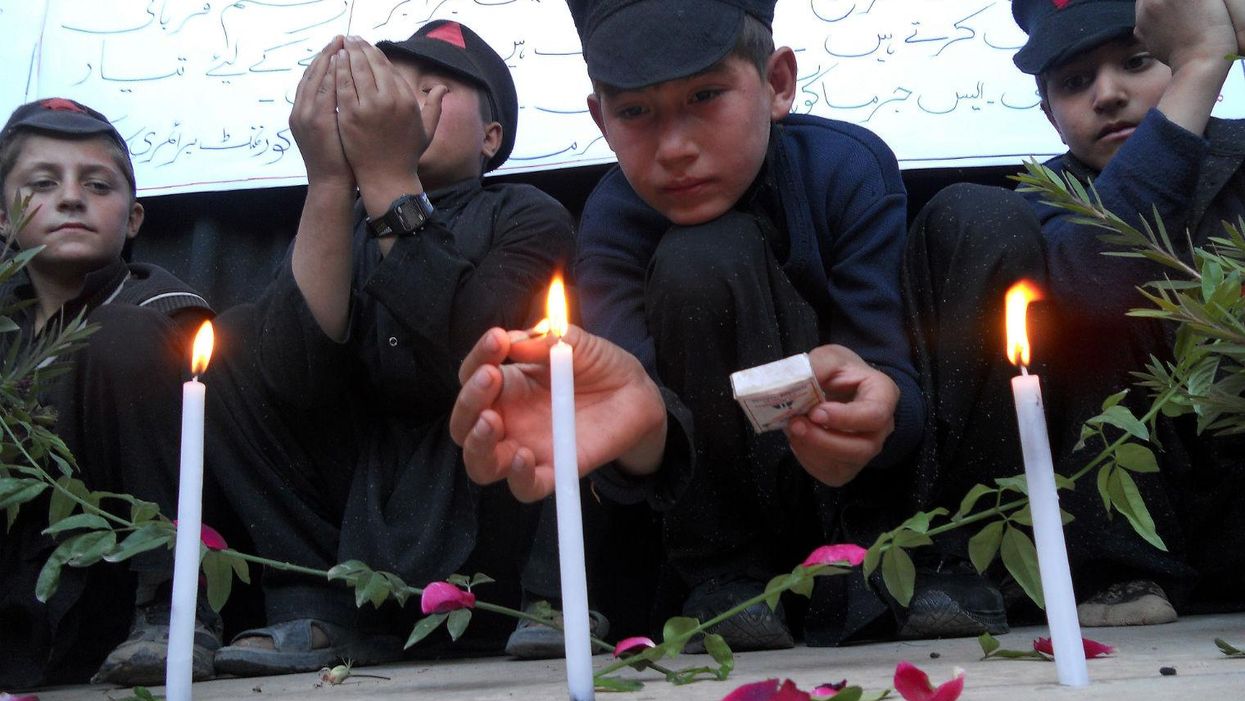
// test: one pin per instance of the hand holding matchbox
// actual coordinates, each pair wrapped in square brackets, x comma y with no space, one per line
[772,393]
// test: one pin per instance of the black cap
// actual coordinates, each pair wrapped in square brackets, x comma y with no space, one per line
[631,44]
[58,115]
[457,49]
[1061,29]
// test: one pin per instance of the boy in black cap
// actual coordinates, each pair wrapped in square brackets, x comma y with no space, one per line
[342,375]
[1134,109]
[117,409]
[734,233]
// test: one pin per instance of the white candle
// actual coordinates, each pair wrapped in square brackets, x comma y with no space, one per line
[1065,629]
[570,520]
[178,668]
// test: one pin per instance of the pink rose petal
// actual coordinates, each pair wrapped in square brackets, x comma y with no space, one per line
[5,696]
[1093,648]
[827,691]
[843,553]
[914,685]
[443,597]
[768,690]
[630,646]
[211,539]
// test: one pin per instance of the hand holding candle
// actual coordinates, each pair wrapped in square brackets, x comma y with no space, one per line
[189,519]
[503,418]
[1065,629]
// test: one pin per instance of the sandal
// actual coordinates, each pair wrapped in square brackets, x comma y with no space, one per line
[292,649]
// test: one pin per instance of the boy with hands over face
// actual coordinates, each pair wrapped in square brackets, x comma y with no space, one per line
[344,372]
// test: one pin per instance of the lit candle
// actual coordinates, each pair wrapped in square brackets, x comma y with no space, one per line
[566,490]
[177,671]
[1065,629]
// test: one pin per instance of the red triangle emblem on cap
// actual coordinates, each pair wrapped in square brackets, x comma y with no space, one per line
[450,33]
[1059,4]
[60,104]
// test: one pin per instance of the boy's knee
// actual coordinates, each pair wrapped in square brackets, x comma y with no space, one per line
[977,220]
[701,264]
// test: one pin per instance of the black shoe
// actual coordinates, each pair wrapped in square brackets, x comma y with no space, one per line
[141,659]
[1139,602]
[754,628]
[535,641]
[952,604]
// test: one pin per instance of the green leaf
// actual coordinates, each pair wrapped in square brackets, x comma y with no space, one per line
[141,511]
[919,523]
[1020,558]
[90,521]
[61,504]
[375,590]
[775,587]
[617,684]
[424,628]
[983,546]
[397,588]
[1127,500]
[970,500]
[874,554]
[219,576]
[849,693]
[50,575]
[1113,399]
[899,575]
[721,653]
[89,548]
[1013,484]
[677,631]
[1137,458]
[148,537]
[20,494]
[1228,649]
[804,585]
[461,581]
[457,625]
[909,539]
[1104,479]
[348,570]
[1022,516]
[1120,417]
[988,644]
[241,569]
[480,578]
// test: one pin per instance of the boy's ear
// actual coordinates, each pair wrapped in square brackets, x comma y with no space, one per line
[780,74]
[1050,117]
[136,220]
[594,108]
[492,140]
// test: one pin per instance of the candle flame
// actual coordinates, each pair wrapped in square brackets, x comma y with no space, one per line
[202,352]
[555,308]
[1017,303]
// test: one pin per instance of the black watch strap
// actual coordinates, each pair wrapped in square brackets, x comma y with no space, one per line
[407,214]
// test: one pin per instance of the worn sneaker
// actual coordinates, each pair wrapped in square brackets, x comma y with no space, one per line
[140,660]
[953,605]
[1136,603]
[536,641]
[755,628]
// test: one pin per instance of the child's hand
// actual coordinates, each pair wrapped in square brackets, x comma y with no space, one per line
[313,121]
[384,131]
[838,437]
[502,415]
[1182,33]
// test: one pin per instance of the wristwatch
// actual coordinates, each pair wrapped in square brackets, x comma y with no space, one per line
[407,214]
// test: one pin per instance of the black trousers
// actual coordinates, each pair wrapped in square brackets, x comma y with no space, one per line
[718,301]
[119,412]
[966,247]
[319,486]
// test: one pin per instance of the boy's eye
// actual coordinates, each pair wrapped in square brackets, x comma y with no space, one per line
[1138,61]
[1075,82]
[629,112]
[41,184]
[705,94]
[99,187]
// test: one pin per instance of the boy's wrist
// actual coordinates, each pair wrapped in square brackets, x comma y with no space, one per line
[379,192]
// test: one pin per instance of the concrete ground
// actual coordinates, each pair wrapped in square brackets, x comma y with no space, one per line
[1202,672]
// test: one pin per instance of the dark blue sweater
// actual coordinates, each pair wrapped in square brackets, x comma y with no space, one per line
[843,210]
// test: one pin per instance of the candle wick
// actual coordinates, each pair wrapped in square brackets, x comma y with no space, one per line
[1024,370]
[194,378]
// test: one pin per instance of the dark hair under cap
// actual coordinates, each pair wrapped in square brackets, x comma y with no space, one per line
[461,52]
[58,115]
[631,44]
[1061,29]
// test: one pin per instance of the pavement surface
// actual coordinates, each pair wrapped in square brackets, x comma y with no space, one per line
[1202,672]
